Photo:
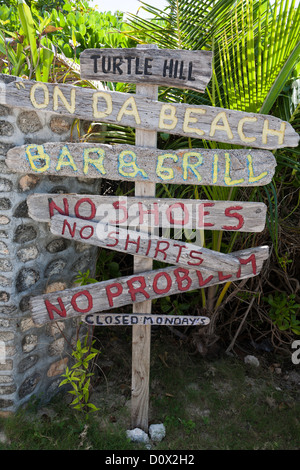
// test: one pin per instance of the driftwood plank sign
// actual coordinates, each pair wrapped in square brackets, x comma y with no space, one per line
[142,244]
[116,319]
[178,68]
[166,213]
[139,287]
[131,163]
[204,122]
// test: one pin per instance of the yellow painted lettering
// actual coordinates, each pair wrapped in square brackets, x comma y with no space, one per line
[164,172]
[108,101]
[241,130]
[221,127]
[40,160]
[44,103]
[167,113]
[70,107]
[227,177]
[64,153]
[188,119]
[267,131]
[187,165]
[252,178]
[97,163]
[132,111]
[127,160]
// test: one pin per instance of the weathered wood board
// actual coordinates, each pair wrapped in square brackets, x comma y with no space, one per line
[135,212]
[143,244]
[167,67]
[117,319]
[114,293]
[131,163]
[204,122]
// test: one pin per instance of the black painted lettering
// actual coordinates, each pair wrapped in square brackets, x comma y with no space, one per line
[175,68]
[129,59]
[137,64]
[117,61]
[106,67]
[190,77]
[168,67]
[181,76]
[147,66]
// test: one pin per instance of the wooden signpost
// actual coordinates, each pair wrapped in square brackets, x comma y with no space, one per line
[100,220]
[141,211]
[131,163]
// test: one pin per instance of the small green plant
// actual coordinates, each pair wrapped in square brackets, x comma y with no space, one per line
[284,311]
[79,376]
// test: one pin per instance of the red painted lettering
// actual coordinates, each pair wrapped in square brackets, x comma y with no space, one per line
[235,215]
[53,206]
[159,250]
[78,204]
[223,277]
[202,213]
[111,295]
[252,260]
[112,238]
[89,235]
[193,254]
[182,275]
[134,290]
[182,221]
[134,242]
[89,299]
[51,308]
[164,290]
[71,230]
[149,246]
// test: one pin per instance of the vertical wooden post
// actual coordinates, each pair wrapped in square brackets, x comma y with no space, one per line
[141,334]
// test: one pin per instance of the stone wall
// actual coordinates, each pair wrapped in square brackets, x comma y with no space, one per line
[32,262]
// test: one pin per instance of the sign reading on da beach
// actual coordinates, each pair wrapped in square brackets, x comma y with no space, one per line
[131,163]
[178,68]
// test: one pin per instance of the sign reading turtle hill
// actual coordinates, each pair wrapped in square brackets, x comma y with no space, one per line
[178,68]
[128,224]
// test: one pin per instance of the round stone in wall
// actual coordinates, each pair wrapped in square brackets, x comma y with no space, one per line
[57,245]
[29,385]
[29,122]
[26,278]
[60,125]
[55,267]
[25,233]
[6,129]
[27,253]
